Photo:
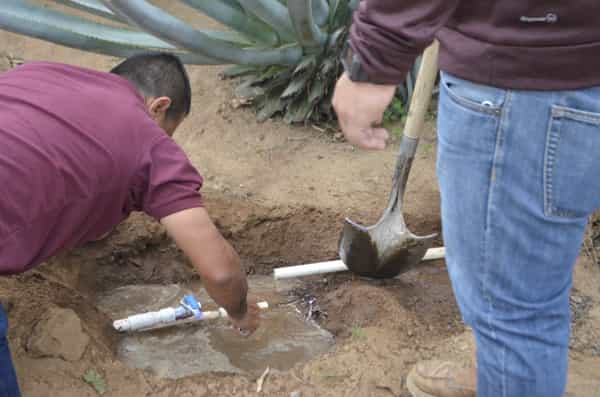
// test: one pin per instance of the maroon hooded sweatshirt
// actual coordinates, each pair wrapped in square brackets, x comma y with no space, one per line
[515,44]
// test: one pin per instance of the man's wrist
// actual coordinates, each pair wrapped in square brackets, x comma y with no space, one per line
[354,66]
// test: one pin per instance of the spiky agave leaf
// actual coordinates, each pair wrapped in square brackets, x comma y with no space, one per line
[93,7]
[19,16]
[285,51]
[233,15]
[299,94]
[167,27]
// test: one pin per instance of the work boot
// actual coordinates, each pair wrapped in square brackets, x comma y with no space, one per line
[442,379]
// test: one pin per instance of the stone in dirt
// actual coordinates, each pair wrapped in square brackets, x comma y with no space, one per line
[58,334]
[4,62]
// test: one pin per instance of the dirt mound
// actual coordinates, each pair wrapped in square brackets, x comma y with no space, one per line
[359,305]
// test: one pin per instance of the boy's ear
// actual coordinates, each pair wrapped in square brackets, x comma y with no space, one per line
[158,106]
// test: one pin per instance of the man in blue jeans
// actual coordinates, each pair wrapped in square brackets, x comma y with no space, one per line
[518,161]
[8,378]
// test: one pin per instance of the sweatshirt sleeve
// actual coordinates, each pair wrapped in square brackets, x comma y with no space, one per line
[388,35]
[167,182]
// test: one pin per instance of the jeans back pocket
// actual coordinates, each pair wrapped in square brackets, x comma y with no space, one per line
[572,163]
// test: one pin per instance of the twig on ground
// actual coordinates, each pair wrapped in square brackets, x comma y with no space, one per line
[261,380]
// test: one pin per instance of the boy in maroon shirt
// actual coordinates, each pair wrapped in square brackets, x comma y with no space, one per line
[82,149]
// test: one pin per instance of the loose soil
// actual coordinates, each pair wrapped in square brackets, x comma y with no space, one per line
[278,193]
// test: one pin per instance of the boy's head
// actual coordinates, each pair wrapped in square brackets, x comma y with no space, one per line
[163,82]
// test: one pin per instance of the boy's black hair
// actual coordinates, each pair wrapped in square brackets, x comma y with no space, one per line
[159,74]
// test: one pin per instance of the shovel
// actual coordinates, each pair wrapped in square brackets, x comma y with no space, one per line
[388,248]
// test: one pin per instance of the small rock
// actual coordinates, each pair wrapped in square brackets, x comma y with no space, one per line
[295,394]
[595,314]
[576,299]
[4,63]
[237,103]
[58,334]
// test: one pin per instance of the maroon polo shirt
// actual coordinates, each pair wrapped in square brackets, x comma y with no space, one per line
[78,153]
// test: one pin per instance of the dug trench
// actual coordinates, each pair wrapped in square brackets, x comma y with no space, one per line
[58,333]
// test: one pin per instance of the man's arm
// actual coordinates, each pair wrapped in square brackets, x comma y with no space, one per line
[216,261]
[387,36]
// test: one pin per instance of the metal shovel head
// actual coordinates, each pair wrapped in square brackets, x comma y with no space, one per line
[371,252]
[387,248]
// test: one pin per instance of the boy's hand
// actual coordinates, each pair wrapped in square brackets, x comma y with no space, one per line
[249,321]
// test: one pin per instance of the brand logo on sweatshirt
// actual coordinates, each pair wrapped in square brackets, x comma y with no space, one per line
[548,18]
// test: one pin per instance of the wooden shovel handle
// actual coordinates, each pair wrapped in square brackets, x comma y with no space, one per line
[422,93]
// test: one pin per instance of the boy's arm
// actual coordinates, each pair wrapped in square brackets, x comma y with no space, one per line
[216,261]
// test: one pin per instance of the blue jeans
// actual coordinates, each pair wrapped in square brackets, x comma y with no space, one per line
[8,379]
[519,175]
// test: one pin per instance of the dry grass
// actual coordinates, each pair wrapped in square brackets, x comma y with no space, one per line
[591,242]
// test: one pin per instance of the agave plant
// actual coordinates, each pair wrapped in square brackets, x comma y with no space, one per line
[285,51]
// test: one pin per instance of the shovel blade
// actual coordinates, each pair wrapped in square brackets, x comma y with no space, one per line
[361,254]
[358,251]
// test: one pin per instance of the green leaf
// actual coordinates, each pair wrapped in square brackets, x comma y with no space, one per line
[93,7]
[337,38]
[278,83]
[238,71]
[273,13]
[307,63]
[298,112]
[166,26]
[263,75]
[327,67]
[394,113]
[325,106]
[248,90]
[235,38]
[308,33]
[296,86]
[231,14]
[94,379]
[320,10]
[358,332]
[317,90]
[269,73]
[269,106]
[69,30]
[340,14]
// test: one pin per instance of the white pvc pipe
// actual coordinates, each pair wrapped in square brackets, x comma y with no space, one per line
[337,266]
[166,318]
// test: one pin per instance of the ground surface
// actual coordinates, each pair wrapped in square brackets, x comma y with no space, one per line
[278,193]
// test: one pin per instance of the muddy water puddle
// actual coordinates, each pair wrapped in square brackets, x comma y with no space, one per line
[283,340]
